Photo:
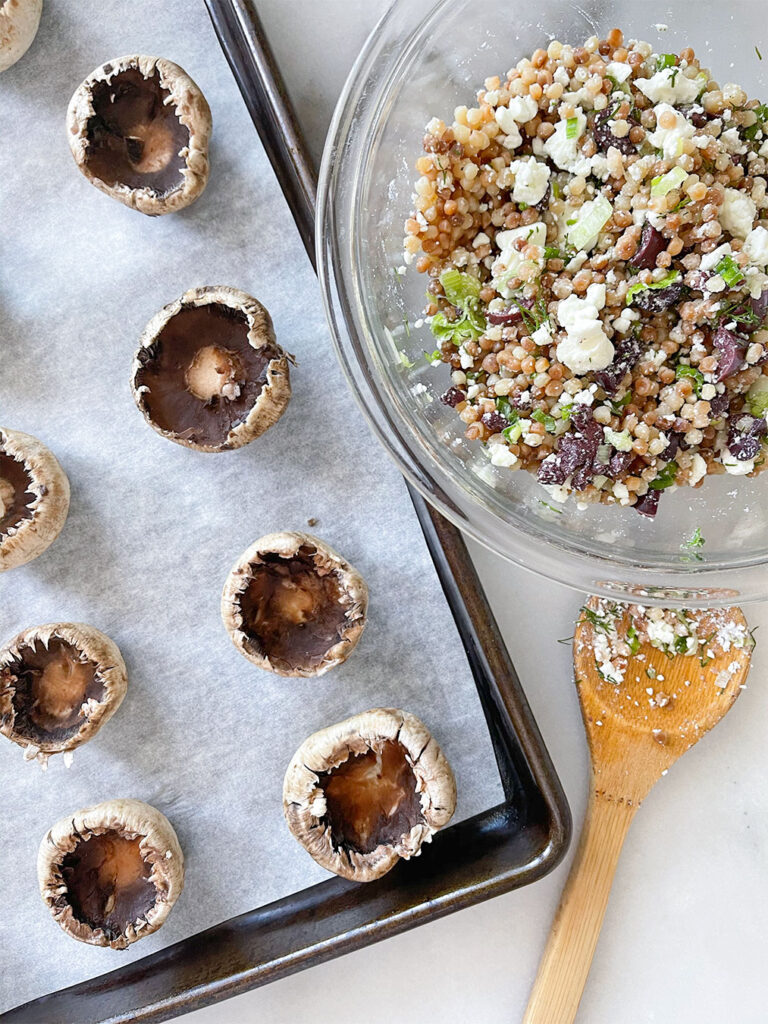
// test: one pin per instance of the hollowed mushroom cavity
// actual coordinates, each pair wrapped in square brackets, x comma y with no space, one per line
[367,792]
[110,874]
[58,685]
[19,21]
[34,498]
[294,606]
[209,373]
[139,130]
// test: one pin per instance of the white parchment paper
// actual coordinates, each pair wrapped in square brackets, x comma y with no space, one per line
[154,528]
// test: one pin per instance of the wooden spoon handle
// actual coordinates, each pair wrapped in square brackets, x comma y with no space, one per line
[571,945]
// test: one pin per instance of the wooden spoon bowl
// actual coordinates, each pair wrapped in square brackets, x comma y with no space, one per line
[641,713]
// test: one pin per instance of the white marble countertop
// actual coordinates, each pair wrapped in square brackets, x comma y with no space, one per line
[684,937]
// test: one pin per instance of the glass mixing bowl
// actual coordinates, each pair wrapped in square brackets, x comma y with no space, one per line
[423,60]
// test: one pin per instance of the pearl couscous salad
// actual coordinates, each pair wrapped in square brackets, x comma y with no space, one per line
[595,234]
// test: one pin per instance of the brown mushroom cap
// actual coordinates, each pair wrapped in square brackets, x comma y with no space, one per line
[293,606]
[362,794]
[19,21]
[58,685]
[139,129]
[34,498]
[209,373]
[110,874]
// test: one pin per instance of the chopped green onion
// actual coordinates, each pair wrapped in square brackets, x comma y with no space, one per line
[542,417]
[666,182]
[681,370]
[572,128]
[552,252]
[665,60]
[665,478]
[668,279]
[406,362]
[504,407]
[757,397]
[513,432]
[620,439]
[434,357]
[459,287]
[618,405]
[730,271]
[633,640]
[589,222]
[557,192]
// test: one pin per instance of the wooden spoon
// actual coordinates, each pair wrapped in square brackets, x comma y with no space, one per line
[636,728]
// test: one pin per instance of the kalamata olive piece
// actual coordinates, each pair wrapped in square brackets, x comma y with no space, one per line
[652,242]
[453,397]
[604,137]
[657,300]
[627,354]
[648,505]
[576,453]
[495,422]
[744,436]
[511,315]
[731,350]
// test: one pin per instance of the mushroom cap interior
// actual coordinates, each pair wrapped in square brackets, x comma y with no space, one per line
[51,684]
[16,495]
[135,137]
[293,610]
[108,882]
[201,374]
[371,798]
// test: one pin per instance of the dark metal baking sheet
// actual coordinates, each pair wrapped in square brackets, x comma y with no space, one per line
[508,846]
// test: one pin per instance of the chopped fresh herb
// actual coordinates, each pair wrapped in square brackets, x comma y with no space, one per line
[633,640]
[542,417]
[681,370]
[673,76]
[535,317]
[571,127]
[691,546]
[665,60]
[664,183]
[557,192]
[571,221]
[730,271]
[738,311]
[668,279]
[759,55]
[552,252]
[522,206]
[434,357]
[551,509]
[683,202]
[407,327]
[665,478]
[596,621]
[681,644]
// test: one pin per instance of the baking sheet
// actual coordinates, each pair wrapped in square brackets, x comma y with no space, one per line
[154,528]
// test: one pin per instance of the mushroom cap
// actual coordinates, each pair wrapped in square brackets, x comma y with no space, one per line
[46,483]
[19,21]
[98,691]
[192,112]
[129,819]
[305,801]
[248,422]
[349,591]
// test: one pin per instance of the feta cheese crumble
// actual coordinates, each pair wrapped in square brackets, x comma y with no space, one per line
[586,346]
